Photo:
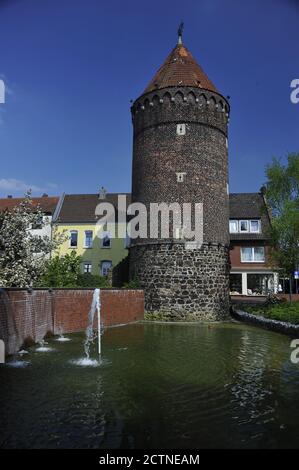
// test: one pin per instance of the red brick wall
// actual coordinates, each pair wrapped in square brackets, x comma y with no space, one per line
[30,315]
[24,316]
[118,307]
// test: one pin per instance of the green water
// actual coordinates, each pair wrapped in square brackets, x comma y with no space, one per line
[160,386]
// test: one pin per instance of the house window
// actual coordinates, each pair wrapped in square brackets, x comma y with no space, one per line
[260,284]
[73,239]
[105,267]
[88,239]
[235,283]
[259,254]
[87,267]
[255,254]
[106,241]
[233,226]
[243,225]
[254,226]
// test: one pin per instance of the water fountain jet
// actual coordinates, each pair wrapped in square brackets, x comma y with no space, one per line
[95,307]
[42,347]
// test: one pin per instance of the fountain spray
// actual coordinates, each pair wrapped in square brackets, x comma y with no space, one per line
[95,305]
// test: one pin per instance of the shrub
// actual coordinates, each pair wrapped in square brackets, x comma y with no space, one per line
[132,284]
[288,312]
[90,280]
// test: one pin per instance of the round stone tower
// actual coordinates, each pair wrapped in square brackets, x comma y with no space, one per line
[180,156]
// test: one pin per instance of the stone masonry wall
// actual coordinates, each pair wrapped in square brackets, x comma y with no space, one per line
[182,284]
[27,316]
[159,153]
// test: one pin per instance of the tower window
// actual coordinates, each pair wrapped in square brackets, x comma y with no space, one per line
[181,129]
[180,177]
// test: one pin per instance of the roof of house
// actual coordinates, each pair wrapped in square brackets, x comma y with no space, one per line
[249,206]
[80,208]
[180,69]
[47,204]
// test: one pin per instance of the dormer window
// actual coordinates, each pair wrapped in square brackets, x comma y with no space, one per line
[233,226]
[245,226]
[254,226]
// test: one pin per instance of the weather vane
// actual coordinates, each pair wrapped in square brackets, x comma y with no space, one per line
[180,32]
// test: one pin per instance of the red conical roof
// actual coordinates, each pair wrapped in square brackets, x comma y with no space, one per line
[180,69]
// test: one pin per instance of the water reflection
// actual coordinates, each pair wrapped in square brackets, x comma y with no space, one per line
[171,386]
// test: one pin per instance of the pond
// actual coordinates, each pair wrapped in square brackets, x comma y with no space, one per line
[224,385]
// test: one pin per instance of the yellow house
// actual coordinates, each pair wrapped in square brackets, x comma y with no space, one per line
[76,217]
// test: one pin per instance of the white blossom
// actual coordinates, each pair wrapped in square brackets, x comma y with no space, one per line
[22,253]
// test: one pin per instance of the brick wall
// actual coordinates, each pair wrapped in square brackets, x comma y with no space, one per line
[71,308]
[29,316]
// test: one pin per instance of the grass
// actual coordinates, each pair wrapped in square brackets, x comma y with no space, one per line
[286,311]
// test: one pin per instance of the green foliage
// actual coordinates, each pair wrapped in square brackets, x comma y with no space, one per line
[65,271]
[283,183]
[156,316]
[288,312]
[282,193]
[132,284]
[90,280]
[61,271]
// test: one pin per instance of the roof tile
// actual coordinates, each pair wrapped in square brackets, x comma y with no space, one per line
[47,204]
[180,69]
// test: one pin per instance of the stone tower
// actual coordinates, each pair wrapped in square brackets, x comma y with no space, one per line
[180,155]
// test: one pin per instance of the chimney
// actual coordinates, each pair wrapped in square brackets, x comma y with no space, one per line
[102,193]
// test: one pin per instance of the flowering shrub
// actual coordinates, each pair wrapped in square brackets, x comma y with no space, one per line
[23,254]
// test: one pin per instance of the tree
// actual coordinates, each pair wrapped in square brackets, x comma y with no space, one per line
[23,254]
[61,271]
[282,194]
[65,271]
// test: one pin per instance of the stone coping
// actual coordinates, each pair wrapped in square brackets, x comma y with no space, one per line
[33,289]
[285,328]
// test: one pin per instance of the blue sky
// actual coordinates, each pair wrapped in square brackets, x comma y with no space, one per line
[72,66]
